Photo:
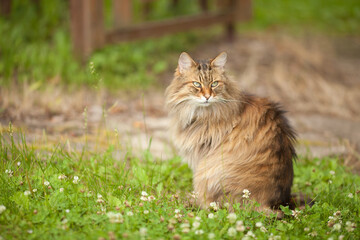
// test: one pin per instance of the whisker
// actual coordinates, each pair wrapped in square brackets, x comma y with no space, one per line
[235,100]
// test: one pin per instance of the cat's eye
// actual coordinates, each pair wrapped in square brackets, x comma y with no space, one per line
[214,84]
[197,84]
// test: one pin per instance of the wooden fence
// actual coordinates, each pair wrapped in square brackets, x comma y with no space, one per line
[88,32]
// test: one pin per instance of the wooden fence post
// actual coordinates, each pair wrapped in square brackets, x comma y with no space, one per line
[122,12]
[87,26]
[5,7]
[240,10]
[243,10]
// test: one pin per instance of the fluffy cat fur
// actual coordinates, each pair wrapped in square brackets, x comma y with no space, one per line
[231,140]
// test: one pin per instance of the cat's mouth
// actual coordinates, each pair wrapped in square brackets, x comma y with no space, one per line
[205,103]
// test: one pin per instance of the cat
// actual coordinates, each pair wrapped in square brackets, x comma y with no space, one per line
[232,141]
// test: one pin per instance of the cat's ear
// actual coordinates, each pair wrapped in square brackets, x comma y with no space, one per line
[220,60]
[185,62]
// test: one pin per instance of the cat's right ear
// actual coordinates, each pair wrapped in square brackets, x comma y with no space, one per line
[185,62]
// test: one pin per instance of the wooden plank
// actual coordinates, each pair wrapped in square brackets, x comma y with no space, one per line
[155,29]
[87,26]
[122,12]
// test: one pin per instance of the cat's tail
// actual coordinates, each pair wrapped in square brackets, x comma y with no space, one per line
[300,200]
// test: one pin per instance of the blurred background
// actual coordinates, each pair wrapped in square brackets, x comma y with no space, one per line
[97,70]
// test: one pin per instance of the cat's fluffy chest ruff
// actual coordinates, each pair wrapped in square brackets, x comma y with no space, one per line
[206,130]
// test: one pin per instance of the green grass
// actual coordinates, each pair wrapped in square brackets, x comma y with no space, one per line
[73,209]
[329,17]
[35,44]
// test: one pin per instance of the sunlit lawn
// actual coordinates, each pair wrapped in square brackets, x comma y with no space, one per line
[54,193]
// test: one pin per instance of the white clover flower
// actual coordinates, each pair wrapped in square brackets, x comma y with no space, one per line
[272,237]
[258,224]
[246,193]
[232,232]
[185,225]
[199,232]
[337,227]
[99,195]
[240,223]
[178,215]
[350,195]
[196,225]
[341,237]
[263,229]
[211,215]
[146,211]
[30,231]
[67,210]
[100,200]
[76,180]
[214,206]
[9,172]
[306,229]
[18,163]
[46,183]
[27,192]
[2,208]
[227,205]
[313,234]
[130,213]
[115,217]
[185,230]
[296,213]
[143,198]
[177,211]
[250,234]
[332,172]
[330,181]
[143,231]
[61,189]
[61,177]
[350,226]
[232,217]
[240,226]
[34,190]
[211,235]
[151,198]
[143,193]
[337,213]
[194,194]
[197,218]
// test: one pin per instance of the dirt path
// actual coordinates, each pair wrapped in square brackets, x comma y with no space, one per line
[317,80]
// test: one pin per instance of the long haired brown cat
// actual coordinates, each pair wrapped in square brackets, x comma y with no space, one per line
[231,140]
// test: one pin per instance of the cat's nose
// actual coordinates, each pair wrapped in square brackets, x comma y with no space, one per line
[207,96]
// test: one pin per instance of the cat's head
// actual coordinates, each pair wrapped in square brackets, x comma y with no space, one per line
[201,83]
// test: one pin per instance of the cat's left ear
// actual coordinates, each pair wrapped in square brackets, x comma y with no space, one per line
[185,62]
[220,60]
